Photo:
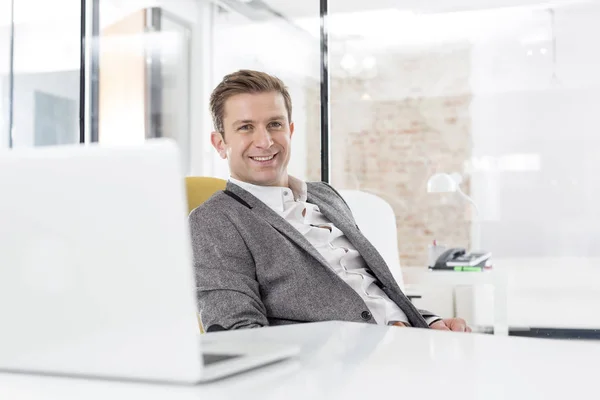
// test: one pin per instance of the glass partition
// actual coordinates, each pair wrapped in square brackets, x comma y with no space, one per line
[501,101]
[41,98]
[144,61]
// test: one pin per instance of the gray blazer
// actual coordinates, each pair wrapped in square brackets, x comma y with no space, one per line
[255,269]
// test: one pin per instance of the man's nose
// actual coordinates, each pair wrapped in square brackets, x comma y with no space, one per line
[262,138]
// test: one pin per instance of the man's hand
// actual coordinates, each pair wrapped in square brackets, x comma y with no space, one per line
[451,324]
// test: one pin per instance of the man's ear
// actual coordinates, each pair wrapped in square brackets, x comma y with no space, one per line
[291,129]
[218,142]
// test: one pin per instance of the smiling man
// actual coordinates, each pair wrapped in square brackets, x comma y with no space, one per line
[272,249]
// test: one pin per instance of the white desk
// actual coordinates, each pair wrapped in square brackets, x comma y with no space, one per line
[496,277]
[359,361]
[551,292]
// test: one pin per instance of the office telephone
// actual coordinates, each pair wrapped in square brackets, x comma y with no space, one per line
[458,258]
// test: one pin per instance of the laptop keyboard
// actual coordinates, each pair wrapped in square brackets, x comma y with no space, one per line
[209,358]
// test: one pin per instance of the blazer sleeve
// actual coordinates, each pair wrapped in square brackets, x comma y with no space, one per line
[227,290]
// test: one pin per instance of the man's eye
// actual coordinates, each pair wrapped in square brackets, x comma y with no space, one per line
[276,124]
[244,128]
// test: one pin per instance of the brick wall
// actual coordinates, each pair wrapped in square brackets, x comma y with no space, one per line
[389,133]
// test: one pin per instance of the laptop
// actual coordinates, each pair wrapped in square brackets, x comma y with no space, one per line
[96,272]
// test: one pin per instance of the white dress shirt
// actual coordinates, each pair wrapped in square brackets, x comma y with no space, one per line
[331,243]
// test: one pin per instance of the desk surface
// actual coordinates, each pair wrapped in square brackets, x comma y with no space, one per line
[421,275]
[348,360]
[551,292]
[547,273]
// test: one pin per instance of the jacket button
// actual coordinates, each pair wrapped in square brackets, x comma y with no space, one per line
[365,315]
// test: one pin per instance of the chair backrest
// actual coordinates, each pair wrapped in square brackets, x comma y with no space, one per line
[377,222]
[200,188]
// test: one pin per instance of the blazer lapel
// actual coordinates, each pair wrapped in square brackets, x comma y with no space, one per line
[371,256]
[277,222]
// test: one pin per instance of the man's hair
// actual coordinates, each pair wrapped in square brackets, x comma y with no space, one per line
[245,81]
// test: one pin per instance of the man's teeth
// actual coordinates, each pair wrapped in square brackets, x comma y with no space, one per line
[263,158]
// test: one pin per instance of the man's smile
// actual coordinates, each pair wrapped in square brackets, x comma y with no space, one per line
[264,159]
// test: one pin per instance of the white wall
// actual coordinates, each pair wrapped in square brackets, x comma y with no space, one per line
[535,139]
[42,44]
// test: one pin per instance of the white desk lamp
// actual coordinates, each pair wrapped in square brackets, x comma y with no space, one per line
[447,183]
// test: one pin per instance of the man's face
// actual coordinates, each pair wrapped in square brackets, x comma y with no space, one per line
[257,138]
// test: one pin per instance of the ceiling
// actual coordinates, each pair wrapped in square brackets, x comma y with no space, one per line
[386,23]
[400,20]
[308,8]
[43,10]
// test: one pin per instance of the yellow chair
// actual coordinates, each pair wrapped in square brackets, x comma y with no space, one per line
[200,188]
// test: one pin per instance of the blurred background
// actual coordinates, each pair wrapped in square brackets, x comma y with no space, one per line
[504,94]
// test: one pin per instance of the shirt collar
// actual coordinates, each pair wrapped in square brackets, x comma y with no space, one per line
[276,196]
